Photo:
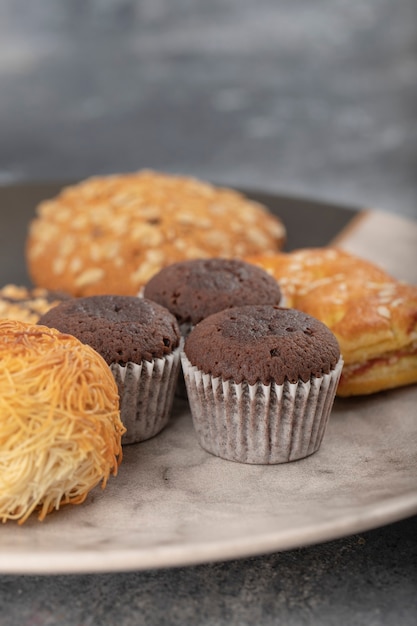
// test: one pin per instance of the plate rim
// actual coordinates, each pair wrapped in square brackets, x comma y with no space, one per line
[91,561]
[162,557]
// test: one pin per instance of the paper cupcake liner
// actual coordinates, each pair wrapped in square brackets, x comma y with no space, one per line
[146,394]
[181,389]
[262,424]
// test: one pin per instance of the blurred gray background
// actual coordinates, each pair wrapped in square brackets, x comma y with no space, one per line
[309,98]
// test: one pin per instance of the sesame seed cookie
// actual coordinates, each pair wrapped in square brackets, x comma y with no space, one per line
[110,234]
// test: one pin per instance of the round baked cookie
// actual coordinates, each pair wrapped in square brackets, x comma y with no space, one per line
[197,288]
[60,428]
[26,304]
[110,234]
[261,381]
[139,340]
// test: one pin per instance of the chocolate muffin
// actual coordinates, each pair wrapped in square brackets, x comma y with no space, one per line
[261,381]
[195,289]
[139,340]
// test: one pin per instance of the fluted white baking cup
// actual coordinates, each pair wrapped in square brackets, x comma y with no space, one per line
[146,393]
[181,389]
[260,424]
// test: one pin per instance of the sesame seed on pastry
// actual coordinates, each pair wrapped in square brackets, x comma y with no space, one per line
[27,304]
[373,316]
[110,234]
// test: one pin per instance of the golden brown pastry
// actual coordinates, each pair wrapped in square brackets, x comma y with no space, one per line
[373,316]
[27,305]
[110,234]
[60,428]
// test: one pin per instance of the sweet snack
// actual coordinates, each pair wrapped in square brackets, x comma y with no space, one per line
[194,289]
[261,381]
[25,304]
[110,234]
[373,316]
[60,428]
[139,340]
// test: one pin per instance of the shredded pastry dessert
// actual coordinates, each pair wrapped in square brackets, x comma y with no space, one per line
[60,428]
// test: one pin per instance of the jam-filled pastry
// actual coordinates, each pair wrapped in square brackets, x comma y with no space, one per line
[373,316]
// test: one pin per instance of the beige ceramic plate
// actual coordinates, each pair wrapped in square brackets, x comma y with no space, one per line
[173,504]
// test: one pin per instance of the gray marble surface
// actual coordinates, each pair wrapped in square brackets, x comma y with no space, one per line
[313,99]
